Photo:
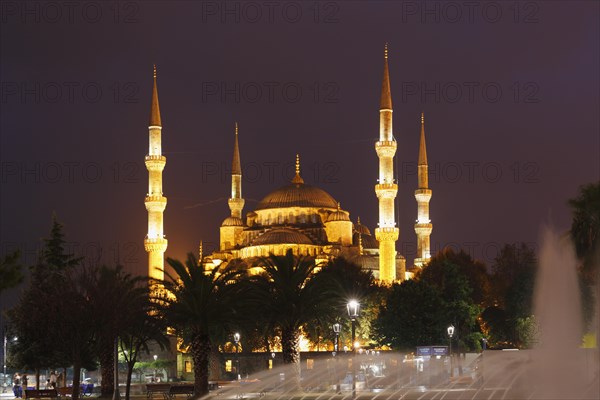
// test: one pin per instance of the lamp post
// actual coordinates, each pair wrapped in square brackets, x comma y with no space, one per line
[450,331]
[236,339]
[336,345]
[353,307]
[155,358]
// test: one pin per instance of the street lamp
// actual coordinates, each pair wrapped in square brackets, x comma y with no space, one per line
[236,339]
[5,352]
[353,307]
[336,345]
[155,358]
[450,331]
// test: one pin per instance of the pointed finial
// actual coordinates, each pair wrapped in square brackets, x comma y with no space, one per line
[385,51]
[297,179]
[154,107]
[358,220]
[386,92]
[338,206]
[422,118]
[236,128]
[200,253]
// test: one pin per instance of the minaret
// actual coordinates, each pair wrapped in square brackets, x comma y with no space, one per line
[236,202]
[423,226]
[155,242]
[387,233]
[233,225]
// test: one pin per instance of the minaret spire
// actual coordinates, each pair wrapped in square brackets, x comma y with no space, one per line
[386,92]
[297,178]
[387,233]
[423,226]
[236,202]
[154,107]
[155,243]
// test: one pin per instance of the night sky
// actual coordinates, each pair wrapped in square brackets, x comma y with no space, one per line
[510,93]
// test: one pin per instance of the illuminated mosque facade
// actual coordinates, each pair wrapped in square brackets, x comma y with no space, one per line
[300,217]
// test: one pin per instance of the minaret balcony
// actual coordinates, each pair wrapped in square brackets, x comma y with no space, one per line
[386,190]
[423,195]
[155,162]
[155,203]
[386,148]
[155,245]
[387,234]
[423,229]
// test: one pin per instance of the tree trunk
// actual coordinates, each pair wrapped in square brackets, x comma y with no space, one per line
[130,365]
[76,381]
[291,356]
[107,368]
[200,349]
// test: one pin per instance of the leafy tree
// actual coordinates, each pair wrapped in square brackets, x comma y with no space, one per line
[585,233]
[464,286]
[585,228]
[10,271]
[475,273]
[144,328]
[36,317]
[199,304]
[413,315]
[514,272]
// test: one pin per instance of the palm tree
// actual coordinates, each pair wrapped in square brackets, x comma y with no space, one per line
[200,304]
[115,299]
[289,294]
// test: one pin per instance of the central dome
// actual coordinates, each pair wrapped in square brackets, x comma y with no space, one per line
[297,195]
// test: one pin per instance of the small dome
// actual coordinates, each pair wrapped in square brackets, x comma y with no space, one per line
[232,221]
[338,215]
[281,236]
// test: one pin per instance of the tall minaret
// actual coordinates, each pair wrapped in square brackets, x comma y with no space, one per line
[155,242]
[387,233]
[423,226]
[233,225]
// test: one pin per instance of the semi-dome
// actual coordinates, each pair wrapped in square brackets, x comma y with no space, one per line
[281,236]
[368,241]
[297,195]
[232,221]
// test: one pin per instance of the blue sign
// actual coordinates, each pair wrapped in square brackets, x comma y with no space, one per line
[432,351]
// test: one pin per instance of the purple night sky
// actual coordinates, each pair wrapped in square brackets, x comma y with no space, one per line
[510,92]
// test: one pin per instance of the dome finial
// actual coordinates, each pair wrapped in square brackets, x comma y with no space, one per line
[297,179]
[338,204]
[358,220]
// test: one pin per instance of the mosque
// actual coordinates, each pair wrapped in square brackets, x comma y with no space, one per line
[301,217]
